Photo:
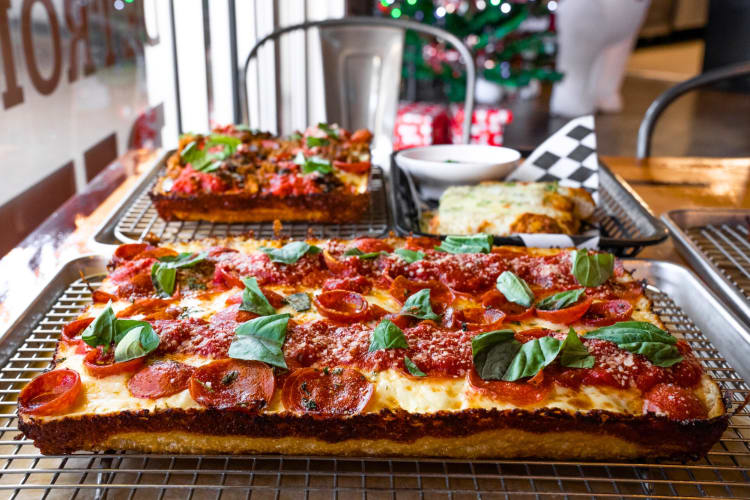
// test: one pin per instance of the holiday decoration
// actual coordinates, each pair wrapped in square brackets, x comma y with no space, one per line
[421,124]
[513,42]
[487,124]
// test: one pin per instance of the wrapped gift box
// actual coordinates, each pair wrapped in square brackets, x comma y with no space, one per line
[421,124]
[487,124]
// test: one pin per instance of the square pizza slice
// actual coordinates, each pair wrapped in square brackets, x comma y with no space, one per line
[239,175]
[372,347]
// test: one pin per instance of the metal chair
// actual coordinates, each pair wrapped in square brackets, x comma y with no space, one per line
[660,103]
[362,73]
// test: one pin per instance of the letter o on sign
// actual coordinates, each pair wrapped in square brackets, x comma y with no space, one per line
[43,85]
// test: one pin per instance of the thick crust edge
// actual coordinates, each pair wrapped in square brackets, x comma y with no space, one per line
[544,433]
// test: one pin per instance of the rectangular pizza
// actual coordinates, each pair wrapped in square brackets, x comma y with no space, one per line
[236,174]
[506,208]
[382,347]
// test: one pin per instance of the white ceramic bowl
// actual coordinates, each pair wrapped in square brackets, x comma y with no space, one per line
[450,164]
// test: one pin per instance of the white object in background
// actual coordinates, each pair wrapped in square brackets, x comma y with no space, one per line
[487,92]
[439,166]
[594,39]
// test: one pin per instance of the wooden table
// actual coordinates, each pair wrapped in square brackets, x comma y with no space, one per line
[669,183]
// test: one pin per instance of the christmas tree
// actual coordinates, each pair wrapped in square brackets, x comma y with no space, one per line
[513,42]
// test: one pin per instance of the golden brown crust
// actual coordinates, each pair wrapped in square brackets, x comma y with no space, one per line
[632,436]
[538,223]
[337,206]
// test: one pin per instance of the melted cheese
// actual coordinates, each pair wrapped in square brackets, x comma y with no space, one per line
[393,388]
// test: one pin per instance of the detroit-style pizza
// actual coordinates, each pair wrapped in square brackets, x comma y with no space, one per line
[372,347]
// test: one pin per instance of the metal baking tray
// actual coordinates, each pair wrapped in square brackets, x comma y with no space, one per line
[626,223]
[680,299]
[135,217]
[716,242]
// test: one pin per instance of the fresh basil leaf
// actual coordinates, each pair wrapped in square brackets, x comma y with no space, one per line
[313,164]
[253,299]
[592,270]
[291,252]
[515,289]
[101,331]
[532,357]
[560,300]
[164,272]
[261,339]
[413,368]
[298,301]
[190,152]
[478,243]
[493,353]
[356,252]
[410,256]
[387,336]
[330,131]
[123,326]
[640,337]
[316,141]
[418,306]
[138,341]
[230,142]
[574,353]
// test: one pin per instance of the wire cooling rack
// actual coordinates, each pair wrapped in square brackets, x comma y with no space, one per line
[727,246]
[24,473]
[141,219]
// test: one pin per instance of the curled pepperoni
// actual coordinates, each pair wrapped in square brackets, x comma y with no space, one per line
[50,393]
[441,297]
[72,330]
[357,167]
[341,305]
[473,319]
[333,264]
[337,391]
[151,309]
[369,245]
[513,311]
[160,379]
[127,252]
[568,315]
[359,284]
[102,297]
[100,364]
[516,393]
[375,312]
[233,383]
[607,312]
[223,274]
[361,135]
[531,334]
[157,253]
[678,403]
[421,243]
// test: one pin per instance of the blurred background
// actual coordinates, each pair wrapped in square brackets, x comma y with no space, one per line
[84,81]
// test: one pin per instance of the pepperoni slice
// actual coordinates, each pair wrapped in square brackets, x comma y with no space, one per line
[678,403]
[100,364]
[102,297]
[421,243]
[223,274]
[516,393]
[357,167]
[50,393]
[568,315]
[534,333]
[151,309]
[72,330]
[128,251]
[233,383]
[160,379]
[513,311]
[607,312]
[359,284]
[341,305]
[157,253]
[473,319]
[369,245]
[337,391]
[441,297]
[335,265]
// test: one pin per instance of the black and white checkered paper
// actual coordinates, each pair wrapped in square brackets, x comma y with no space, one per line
[569,158]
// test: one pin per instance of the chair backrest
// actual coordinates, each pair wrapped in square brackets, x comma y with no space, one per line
[362,72]
[657,107]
